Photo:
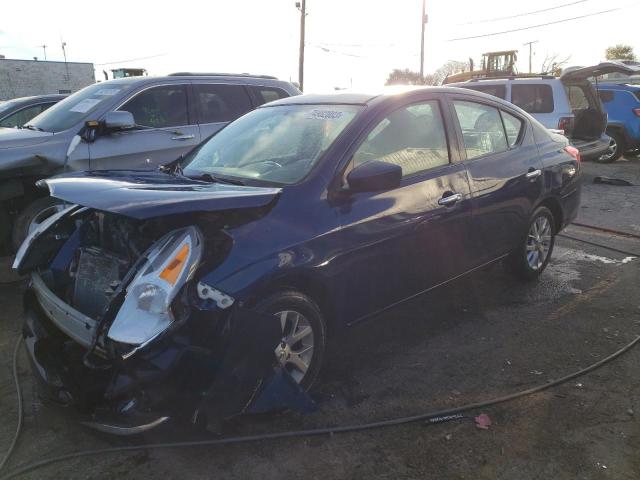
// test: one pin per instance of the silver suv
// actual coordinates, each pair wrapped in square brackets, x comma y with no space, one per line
[128,123]
[568,103]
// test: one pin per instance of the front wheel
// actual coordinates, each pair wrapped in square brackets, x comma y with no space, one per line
[301,349]
[531,257]
[32,216]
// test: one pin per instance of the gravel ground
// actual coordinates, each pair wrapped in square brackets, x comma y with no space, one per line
[479,338]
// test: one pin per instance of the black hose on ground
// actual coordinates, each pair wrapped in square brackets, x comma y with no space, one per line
[19,396]
[588,242]
[21,470]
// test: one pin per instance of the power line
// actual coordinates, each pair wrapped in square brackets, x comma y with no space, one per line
[132,59]
[534,26]
[488,20]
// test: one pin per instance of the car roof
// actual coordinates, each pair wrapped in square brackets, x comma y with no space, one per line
[360,98]
[37,98]
[224,77]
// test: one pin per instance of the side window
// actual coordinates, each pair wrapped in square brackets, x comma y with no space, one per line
[499,91]
[21,117]
[412,137]
[268,94]
[578,99]
[482,129]
[532,98]
[159,107]
[513,127]
[606,95]
[221,103]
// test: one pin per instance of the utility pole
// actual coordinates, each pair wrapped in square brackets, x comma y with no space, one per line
[302,7]
[64,53]
[423,22]
[530,53]
[44,50]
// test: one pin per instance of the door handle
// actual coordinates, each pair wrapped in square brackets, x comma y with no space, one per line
[450,199]
[533,174]
[183,137]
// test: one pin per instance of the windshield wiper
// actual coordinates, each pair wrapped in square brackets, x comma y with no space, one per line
[208,177]
[32,127]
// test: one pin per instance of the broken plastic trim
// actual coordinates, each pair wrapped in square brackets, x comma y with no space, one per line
[222,300]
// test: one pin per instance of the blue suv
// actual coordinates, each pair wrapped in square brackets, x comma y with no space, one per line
[622,102]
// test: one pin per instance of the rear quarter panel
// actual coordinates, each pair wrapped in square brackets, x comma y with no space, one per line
[562,175]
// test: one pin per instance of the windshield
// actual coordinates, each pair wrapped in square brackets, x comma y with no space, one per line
[77,107]
[275,144]
[4,106]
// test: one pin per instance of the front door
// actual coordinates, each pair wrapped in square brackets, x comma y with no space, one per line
[404,241]
[505,173]
[164,131]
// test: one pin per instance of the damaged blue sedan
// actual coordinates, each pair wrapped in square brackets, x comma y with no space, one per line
[211,287]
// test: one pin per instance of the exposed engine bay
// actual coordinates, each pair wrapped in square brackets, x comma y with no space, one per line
[117,320]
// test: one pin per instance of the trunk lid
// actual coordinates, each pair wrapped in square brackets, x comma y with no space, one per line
[574,74]
[144,195]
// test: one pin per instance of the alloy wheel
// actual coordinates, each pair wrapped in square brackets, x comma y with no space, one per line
[295,350]
[611,150]
[538,242]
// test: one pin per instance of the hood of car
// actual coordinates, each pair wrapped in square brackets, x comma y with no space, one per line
[145,195]
[582,73]
[21,137]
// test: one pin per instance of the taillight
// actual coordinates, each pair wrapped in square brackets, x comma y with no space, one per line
[574,152]
[637,112]
[565,124]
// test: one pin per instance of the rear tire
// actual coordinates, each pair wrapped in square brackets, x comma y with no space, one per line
[532,256]
[615,150]
[296,309]
[31,216]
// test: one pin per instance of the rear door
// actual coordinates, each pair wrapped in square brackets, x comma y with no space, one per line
[164,131]
[218,104]
[505,173]
[416,236]
[538,100]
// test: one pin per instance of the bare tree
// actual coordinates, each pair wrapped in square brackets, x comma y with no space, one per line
[553,63]
[409,77]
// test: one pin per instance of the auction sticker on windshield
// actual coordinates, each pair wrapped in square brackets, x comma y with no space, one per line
[104,92]
[85,105]
[325,114]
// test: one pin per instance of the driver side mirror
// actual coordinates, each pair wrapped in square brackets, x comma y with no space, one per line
[120,120]
[374,176]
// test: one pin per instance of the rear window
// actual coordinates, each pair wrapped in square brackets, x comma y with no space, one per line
[606,96]
[532,98]
[221,102]
[499,91]
[268,94]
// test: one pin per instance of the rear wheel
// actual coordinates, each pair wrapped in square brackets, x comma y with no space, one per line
[615,149]
[301,348]
[531,257]
[32,216]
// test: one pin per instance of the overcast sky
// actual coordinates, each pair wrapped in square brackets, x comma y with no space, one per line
[349,42]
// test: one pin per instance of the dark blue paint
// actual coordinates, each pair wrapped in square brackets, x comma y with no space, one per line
[357,253]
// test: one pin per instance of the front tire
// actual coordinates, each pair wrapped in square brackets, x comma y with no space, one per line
[532,256]
[301,350]
[615,150]
[32,216]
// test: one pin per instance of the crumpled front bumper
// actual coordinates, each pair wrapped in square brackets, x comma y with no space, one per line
[174,377]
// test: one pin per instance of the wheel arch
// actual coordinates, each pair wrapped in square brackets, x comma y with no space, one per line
[554,205]
[312,286]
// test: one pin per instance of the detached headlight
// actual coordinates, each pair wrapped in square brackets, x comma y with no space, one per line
[146,310]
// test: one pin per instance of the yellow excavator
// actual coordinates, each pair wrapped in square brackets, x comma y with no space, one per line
[494,64]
